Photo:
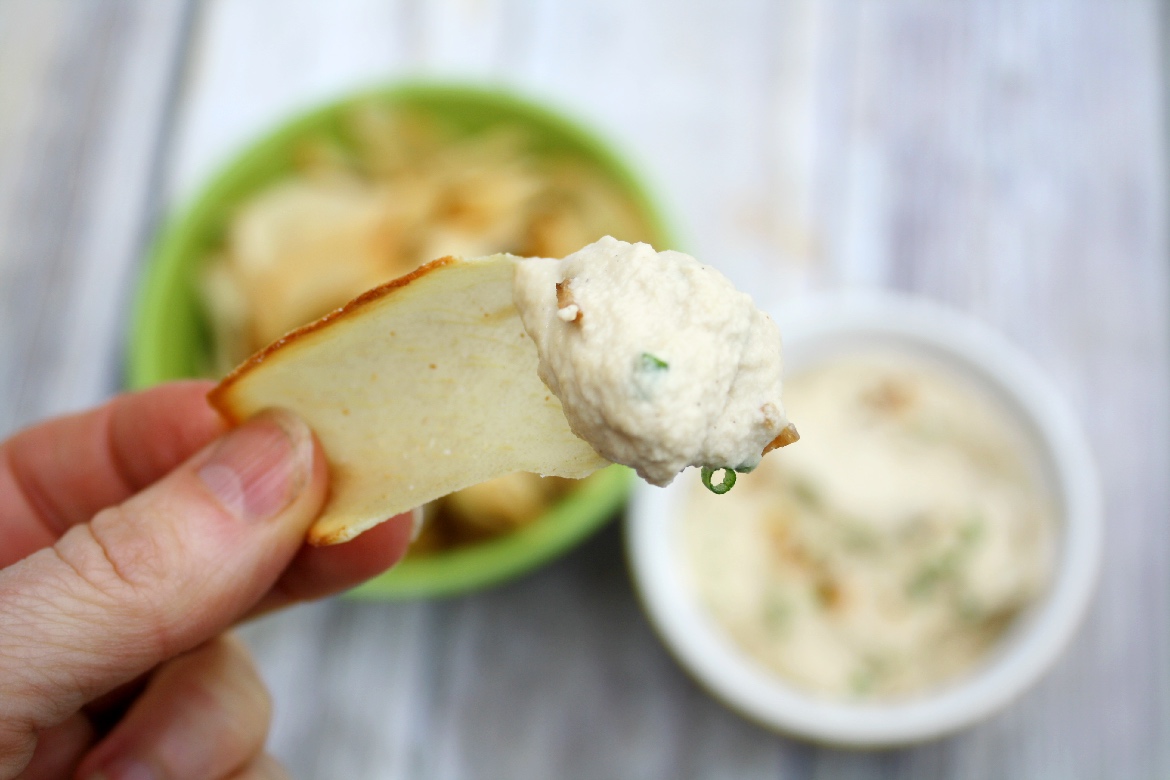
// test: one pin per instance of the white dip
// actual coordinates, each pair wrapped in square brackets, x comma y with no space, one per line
[659,362]
[891,548]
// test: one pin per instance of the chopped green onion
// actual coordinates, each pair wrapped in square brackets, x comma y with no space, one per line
[652,363]
[723,487]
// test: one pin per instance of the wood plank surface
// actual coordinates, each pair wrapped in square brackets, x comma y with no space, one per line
[1005,157]
[86,91]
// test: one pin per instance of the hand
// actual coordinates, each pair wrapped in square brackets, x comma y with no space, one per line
[131,537]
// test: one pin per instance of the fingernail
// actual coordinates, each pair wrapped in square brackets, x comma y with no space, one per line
[126,769]
[257,469]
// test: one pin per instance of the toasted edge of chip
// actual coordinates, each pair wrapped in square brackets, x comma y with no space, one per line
[219,395]
[415,389]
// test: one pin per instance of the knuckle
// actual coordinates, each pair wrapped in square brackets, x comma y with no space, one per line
[250,691]
[123,572]
[142,562]
[230,686]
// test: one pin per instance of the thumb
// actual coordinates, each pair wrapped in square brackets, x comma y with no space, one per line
[153,577]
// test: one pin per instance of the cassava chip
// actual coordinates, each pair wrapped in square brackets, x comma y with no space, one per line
[420,387]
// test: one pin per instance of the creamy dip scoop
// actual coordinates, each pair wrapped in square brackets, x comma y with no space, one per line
[441,379]
[658,361]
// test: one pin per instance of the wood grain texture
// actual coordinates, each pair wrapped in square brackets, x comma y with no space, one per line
[1003,156]
[85,90]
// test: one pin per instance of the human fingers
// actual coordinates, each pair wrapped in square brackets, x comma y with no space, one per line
[64,471]
[59,749]
[322,571]
[203,715]
[264,767]
[153,577]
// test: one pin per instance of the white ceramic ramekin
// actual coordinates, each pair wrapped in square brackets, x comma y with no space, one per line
[814,330]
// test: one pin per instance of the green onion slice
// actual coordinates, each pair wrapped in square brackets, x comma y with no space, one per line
[727,483]
[653,363]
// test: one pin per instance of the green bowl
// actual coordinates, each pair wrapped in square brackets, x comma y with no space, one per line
[170,337]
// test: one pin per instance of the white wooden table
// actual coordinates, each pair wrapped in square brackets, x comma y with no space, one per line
[1003,156]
